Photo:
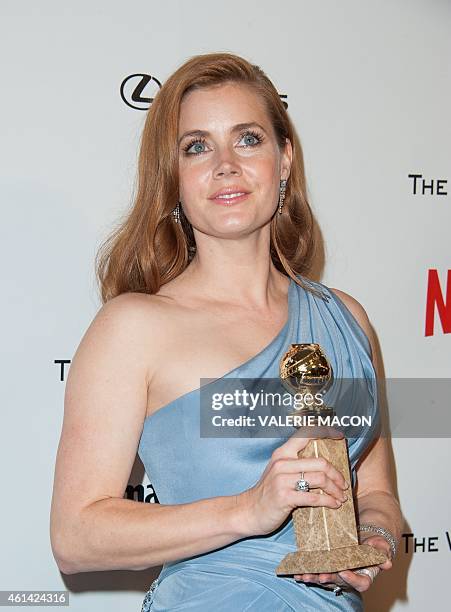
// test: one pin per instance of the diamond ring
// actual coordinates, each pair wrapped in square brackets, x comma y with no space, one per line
[371,572]
[302,485]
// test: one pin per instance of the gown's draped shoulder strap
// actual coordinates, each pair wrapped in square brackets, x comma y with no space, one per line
[329,322]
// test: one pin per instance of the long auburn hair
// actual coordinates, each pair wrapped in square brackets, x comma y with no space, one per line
[148,249]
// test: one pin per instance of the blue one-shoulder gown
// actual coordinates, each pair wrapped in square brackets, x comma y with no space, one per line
[183,467]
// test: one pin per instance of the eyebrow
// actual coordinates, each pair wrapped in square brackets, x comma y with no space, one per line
[236,128]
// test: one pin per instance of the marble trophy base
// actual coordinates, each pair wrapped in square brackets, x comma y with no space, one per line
[330,561]
[327,538]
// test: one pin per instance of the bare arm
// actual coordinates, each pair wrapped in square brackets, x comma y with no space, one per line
[92,527]
[376,503]
[375,495]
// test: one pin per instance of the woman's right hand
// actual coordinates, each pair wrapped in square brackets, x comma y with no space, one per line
[268,503]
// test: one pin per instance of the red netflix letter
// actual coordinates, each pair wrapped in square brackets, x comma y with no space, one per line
[435,296]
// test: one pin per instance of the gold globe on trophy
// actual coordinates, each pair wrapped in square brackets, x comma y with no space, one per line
[326,538]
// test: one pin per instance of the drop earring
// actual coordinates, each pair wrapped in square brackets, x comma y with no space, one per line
[176,213]
[283,185]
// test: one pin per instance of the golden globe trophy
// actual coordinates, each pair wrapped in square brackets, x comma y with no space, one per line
[326,538]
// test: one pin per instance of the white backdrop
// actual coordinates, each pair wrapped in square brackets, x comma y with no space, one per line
[368,87]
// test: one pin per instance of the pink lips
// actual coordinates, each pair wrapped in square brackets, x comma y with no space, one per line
[227,191]
[230,201]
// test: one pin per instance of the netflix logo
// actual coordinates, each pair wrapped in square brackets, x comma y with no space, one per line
[438,302]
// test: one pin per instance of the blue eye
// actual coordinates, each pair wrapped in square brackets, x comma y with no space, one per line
[194,143]
[255,135]
[201,142]
[248,134]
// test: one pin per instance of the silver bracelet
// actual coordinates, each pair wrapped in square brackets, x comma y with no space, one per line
[380,531]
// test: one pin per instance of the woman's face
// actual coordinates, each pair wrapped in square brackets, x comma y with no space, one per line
[228,154]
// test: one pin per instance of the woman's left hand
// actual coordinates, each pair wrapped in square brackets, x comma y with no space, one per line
[348,578]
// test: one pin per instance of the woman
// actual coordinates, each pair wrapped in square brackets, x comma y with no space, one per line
[209,270]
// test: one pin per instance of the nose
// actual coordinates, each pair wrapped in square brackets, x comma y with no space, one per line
[227,164]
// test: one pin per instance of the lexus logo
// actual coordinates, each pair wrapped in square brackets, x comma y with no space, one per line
[137,90]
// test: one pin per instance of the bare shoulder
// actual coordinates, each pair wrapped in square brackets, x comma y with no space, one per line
[355,307]
[131,307]
[132,311]
[129,327]
[359,313]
